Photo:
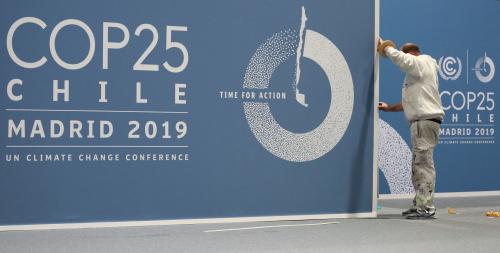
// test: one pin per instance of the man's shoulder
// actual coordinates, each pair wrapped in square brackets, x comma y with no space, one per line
[428,59]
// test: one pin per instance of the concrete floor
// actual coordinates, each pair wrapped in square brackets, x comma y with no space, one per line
[468,231]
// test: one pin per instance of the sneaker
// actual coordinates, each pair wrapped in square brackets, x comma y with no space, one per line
[421,215]
[409,211]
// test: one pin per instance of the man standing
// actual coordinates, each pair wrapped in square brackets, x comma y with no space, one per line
[421,104]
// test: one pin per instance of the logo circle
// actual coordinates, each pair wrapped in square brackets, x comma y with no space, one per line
[481,65]
[300,147]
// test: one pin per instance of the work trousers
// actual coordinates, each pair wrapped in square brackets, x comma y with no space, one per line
[424,138]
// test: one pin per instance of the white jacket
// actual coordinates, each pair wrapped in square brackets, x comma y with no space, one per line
[420,97]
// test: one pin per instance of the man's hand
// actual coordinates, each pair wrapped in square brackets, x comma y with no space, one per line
[383,106]
[382,44]
[390,108]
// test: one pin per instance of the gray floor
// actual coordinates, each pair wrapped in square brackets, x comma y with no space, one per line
[468,231]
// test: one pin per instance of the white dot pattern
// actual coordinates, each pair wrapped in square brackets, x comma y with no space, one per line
[273,52]
[394,160]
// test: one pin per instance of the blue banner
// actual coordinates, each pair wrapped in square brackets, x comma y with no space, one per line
[462,36]
[155,110]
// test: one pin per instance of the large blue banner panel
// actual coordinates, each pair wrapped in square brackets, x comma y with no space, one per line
[464,38]
[159,110]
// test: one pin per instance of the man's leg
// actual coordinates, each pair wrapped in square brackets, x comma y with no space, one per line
[424,139]
[425,176]
[413,208]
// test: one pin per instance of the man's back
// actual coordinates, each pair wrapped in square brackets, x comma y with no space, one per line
[420,96]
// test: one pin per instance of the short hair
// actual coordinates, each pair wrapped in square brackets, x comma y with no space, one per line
[410,47]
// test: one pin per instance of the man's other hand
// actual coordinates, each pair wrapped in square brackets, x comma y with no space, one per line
[383,106]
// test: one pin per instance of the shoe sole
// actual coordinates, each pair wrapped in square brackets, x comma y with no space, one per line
[430,217]
[406,213]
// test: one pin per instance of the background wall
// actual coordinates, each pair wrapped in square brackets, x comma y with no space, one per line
[458,34]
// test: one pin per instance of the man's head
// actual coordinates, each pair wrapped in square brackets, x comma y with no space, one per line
[410,48]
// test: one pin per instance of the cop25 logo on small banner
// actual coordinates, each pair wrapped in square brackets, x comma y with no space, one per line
[469,100]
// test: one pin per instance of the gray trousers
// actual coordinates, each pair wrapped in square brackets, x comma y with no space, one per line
[424,138]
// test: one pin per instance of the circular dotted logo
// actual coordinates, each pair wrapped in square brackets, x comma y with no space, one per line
[484,69]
